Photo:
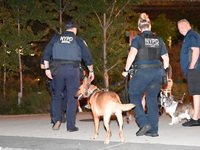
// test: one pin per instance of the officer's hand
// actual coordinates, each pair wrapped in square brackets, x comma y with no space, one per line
[124,73]
[48,74]
[42,66]
[91,76]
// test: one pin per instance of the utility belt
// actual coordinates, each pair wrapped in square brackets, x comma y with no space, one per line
[75,64]
[55,65]
[134,68]
[147,66]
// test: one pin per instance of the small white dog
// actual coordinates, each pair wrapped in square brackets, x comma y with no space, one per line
[176,110]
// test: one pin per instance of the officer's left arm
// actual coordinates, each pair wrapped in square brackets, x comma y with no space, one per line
[42,63]
[47,69]
[47,54]
[195,56]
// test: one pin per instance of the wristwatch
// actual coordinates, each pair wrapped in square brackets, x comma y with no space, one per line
[47,69]
[126,70]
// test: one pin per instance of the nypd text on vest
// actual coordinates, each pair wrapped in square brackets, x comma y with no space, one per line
[150,42]
[66,39]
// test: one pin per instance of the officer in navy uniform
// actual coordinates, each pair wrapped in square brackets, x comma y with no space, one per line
[144,57]
[66,52]
[190,67]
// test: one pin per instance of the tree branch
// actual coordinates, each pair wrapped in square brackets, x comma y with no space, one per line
[96,15]
[113,66]
[118,13]
[122,9]
[64,8]
[54,7]
[112,9]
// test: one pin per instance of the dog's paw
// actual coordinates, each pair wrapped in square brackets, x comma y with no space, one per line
[123,140]
[107,141]
[94,136]
[171,123]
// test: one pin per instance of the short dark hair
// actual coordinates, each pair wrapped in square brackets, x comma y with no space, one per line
[71,24]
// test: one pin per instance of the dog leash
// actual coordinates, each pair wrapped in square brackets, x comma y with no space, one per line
[184,94]
[115,85]
[127,97]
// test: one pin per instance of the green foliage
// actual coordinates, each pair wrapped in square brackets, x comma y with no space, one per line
[17,36]
[92,26]
[178,90]
[164,28]
[36,102]
[33,103]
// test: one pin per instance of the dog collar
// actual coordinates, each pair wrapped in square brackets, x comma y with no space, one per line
[93,92]
[87,88]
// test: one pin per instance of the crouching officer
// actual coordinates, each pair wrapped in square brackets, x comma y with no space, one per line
[145,52]
[66,52]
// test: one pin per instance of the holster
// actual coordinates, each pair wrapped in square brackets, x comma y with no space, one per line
[55,67]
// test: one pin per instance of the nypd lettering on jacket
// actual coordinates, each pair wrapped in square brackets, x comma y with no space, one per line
[66,39]
[67,48]
[151,42]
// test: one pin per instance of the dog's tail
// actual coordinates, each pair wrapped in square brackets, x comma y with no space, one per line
[125,107]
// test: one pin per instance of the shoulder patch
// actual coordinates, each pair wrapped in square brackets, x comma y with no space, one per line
[85,43]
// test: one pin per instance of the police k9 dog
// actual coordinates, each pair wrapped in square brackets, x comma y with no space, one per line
[103,103]
[177,110]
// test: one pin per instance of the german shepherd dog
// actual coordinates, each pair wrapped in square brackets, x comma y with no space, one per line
[103,103]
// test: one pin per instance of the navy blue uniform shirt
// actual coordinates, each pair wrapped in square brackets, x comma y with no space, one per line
[86,56]
[192,39]
[136,44]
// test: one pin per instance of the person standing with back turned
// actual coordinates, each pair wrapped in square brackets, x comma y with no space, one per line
[190,66]
[144,57]
[66,52]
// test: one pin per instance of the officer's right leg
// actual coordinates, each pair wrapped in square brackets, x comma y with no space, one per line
[72,85]
[59,86]
[138,84]
[136,90]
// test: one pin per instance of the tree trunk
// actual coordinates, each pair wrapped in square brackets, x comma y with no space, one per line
[4,72]
[4,82]
[106,77]
[60,14]
[21,79]
[20,94]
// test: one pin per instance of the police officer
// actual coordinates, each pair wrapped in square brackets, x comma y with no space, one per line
[67,51]
[144,55]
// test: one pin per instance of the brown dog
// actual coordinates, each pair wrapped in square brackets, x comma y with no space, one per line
[103,104]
